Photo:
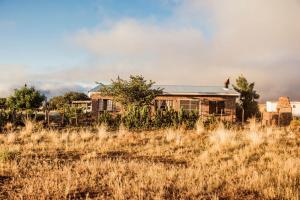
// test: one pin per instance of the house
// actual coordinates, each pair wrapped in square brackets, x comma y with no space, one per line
[205,100]
[280,112]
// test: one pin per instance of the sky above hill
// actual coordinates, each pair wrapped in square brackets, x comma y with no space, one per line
[69,44]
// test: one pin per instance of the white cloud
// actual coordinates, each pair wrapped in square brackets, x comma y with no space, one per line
[258,38]
[203,43]
[15,76]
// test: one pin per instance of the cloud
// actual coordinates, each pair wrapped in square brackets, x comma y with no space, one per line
[15,76]
[204,42]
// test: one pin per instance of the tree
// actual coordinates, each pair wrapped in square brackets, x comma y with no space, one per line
[248,97]
[133,92]
[2,103]
[25,98]
[60,102]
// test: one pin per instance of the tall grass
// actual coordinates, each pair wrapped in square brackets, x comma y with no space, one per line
[254,163]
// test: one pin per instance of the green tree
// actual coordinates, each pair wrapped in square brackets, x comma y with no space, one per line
[2,103]
[248,97]
[60,102]
[133,92]
[25,98]
[75,96]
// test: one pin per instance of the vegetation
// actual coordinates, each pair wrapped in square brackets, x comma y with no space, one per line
[141,118]
[3,103]
[254,163]
[295,124]
[25,98]
[61,102]
[248,99]
[134,92]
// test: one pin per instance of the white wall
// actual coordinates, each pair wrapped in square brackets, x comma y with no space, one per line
[271,107]
[296,108]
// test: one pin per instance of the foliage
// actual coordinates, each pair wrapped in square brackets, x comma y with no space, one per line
[25,98]
[248,97]
[4,118]
[56,103]
[188,119]
[134,92]
[61,102]
[112,122]
[3,103]
[137,117]
[166,118]
[140,118]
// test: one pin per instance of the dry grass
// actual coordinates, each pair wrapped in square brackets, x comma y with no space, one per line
[167,164]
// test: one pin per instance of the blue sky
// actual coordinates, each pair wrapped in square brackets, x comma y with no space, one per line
[63,45]
[34,32]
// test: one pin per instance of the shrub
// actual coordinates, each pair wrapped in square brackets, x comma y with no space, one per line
[4,119]
[295,124]
[110,121]
[210,122]
[165,119]
[189,119]
[137,117]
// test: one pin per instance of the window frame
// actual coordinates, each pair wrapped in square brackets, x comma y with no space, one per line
[159,102]
[217,107]
[106,105]
[189,105]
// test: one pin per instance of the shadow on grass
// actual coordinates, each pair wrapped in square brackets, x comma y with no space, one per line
[123,155]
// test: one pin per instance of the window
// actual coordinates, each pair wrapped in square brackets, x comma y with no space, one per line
[105,105]
[216,107]
[163,104]
[189,105]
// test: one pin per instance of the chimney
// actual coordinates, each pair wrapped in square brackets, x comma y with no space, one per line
[226,83]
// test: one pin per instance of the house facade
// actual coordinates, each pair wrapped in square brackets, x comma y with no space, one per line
[205,100]
[280,112]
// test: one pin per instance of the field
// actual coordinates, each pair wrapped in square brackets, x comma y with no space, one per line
[169,164]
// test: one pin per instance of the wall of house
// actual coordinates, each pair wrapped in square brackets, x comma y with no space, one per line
[295,105]
[295,108]
[229,112]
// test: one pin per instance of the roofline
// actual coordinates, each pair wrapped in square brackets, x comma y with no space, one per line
[200,94]
[187,94]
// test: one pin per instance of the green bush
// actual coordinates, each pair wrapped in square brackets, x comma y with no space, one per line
[112,122]
[137,117]
[4,118]
[165,118]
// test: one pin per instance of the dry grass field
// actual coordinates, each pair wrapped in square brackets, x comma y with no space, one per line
[167,164]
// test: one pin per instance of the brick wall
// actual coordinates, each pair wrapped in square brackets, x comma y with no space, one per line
[230,103]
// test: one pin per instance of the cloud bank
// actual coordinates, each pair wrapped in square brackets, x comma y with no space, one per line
[202,43]
[205,42]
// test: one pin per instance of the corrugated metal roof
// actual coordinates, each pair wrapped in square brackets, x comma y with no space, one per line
[189,90]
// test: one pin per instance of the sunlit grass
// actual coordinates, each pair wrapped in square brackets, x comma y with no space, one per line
[254,163]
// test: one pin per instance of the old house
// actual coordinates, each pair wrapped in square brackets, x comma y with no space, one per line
[280,112]
[205,100]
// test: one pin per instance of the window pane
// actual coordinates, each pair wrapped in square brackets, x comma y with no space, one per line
[163,104]
[216,107]
[109,105]
[189,105]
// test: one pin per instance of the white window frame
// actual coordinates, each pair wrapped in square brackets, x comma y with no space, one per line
[190,105]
